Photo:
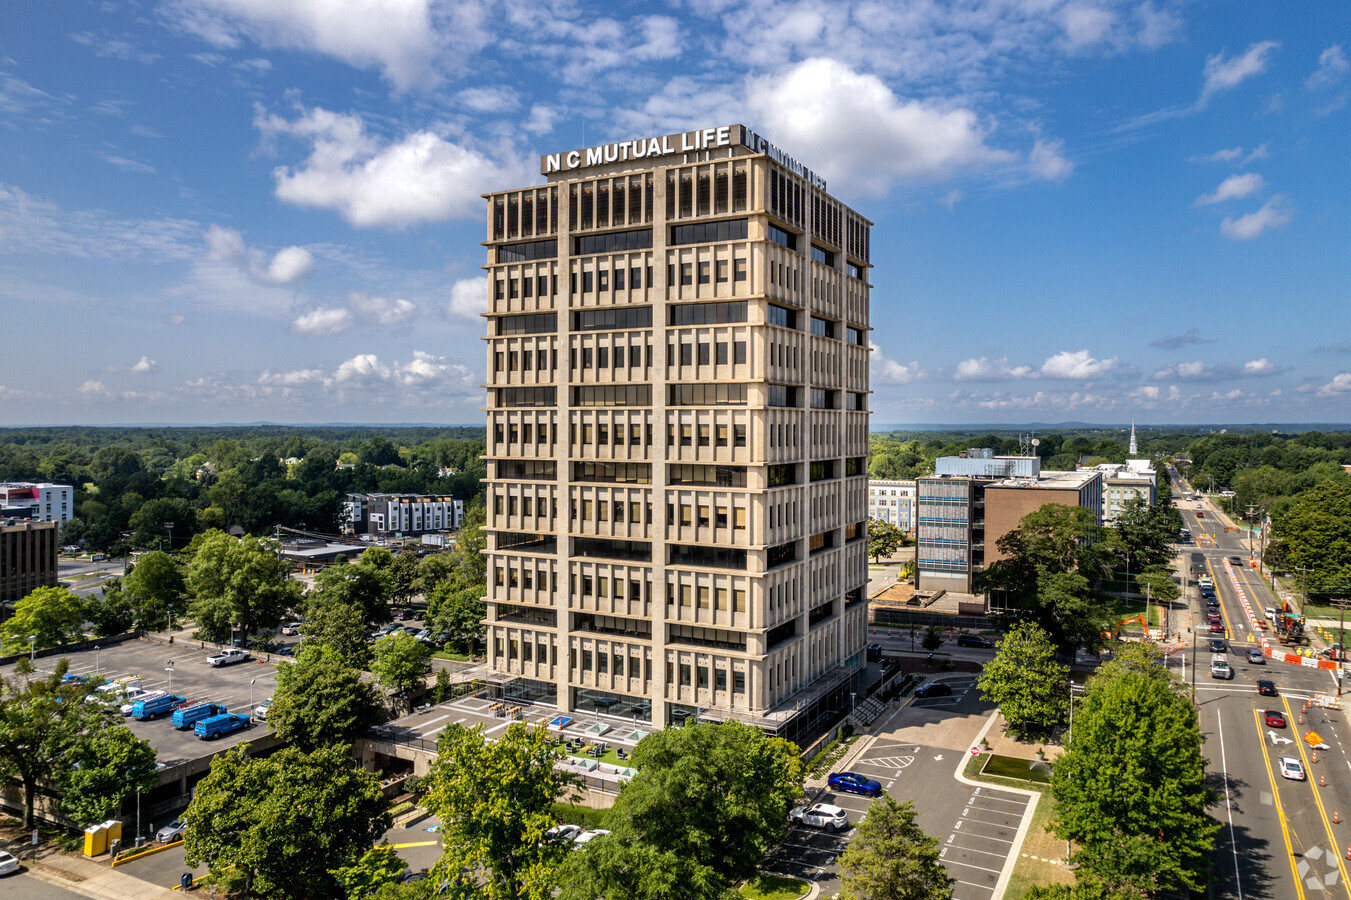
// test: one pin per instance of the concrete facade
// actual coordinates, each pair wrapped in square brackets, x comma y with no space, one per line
[43,501]
[894,502]
[677,431]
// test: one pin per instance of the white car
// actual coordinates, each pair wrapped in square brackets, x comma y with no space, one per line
[588,836]
[291,628]
[260,713]
[228,657]
[563,834]
[1291,768]
[821,815]
[130,698]
[8,864]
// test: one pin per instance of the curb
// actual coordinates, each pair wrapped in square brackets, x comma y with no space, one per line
[1024,826]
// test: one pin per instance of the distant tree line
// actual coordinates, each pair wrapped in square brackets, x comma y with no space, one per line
[159,487]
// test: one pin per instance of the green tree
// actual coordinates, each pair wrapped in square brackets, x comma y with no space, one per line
[708,798]
[363,585]
[1025,680]
[471,566]
[52,616]
[377,867]
[155,590]
[41,721]
[237,583]
[459,612]
[1130,788]
[432,570]
[321,700]
[403,577]
[891,858]
[883,539]
[933,638]
[104,766]
[286,822]
[495,801]
[149,524]
[401,664]
[111,612]
[340,626]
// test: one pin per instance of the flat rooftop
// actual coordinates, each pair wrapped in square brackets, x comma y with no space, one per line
[1049,481]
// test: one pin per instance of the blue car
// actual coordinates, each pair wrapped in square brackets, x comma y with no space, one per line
[853,783]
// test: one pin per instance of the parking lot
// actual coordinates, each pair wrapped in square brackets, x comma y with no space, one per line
[976,827]
[180,669]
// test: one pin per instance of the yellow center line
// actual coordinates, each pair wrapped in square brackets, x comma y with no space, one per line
[1317,799]
[1228,629]
[1280,810]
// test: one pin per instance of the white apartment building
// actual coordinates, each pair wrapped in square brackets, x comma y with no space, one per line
[677,418]
[45,502]
[402,514]
[894,502]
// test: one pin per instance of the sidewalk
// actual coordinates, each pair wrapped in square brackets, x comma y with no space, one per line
[89,877]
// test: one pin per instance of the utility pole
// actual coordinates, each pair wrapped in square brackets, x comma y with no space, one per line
[1341,641]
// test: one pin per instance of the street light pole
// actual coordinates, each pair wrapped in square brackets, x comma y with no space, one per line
[251,681]
[96,659]
[169,667]
[32,647]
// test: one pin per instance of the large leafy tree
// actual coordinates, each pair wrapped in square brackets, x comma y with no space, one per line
[321,700]
[1026,681]
[155,590]
[401,664]
[1312,533]
[283,824]
[891,858]
[1047,572]
[341,626]
[363,585]
[883,539]
[237,582]
[1130,787]
[105,765]
[459,612]
[51,615]
[41,721]
[494,799]
[713,797]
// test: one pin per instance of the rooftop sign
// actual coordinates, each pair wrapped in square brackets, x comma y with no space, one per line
[700,140]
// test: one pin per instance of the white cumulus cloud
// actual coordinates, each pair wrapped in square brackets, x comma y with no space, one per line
[380,311]
[1078,365]
[422,177]
[323,322]
[1047,161]
[1332,68]
[1234,187]
[1261,366]
[986,369]
[1340,384]
[469,298]
[1274,214]
[888,371]
[286,266]
[852,128]
[144,366]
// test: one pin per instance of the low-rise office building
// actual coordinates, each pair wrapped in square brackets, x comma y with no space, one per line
[1123,482]
[43,501]
[27,558]
[894,502]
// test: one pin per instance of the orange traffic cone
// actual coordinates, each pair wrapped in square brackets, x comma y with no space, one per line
[1348,851]
[1336,819]
[1301,718]
[1315,756]
[1323,782]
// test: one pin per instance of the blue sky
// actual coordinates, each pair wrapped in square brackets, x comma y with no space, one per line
[243,210]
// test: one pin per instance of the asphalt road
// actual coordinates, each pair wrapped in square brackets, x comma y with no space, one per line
[1278,837]
[23,885]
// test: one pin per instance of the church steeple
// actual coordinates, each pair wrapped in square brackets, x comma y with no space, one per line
[1135,450]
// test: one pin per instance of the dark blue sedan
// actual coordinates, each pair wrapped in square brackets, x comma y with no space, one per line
[853,783]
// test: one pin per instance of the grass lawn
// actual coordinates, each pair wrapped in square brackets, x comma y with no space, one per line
[764,886]
[1017,769]
[584,816]
[451,654]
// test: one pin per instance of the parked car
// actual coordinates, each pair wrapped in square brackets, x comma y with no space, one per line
[821,815]
[854,783]
[588,836]
[1291,768]
[8,864]
[1266,687]
[260,711]
[425,635]
[173,831]
[563,834]
[933,689]
[1274,718]
[131,696]
[974,640]
[1256,658]
[216,726]
[291,629]
[1217,645]
[410,630]
[228,657]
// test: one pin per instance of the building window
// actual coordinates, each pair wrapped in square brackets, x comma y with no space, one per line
[620,318]
[782,238]
[535,323]
[706,394]
[614,242]
[823,327]
[707,313]
[510,253]
[708,232]
[783,317]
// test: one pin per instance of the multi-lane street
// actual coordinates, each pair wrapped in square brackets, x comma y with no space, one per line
[1281,838]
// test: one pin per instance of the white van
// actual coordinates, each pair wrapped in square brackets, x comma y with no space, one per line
[1271,614]
[1219,668]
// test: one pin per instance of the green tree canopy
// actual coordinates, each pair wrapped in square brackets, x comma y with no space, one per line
[237,582]
[883,539]
[341,626]
[363,585]
[321,700]
[154,589]
[104,766]
[51,615]
[495,801]
[891,858]
[1024,679]
[401,664]
[1130,787]
[286,822]
[459,612]
[715,797]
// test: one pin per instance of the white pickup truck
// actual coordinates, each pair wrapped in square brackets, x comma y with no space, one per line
[228,657]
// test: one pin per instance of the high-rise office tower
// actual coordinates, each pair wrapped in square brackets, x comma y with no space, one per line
[677,357]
